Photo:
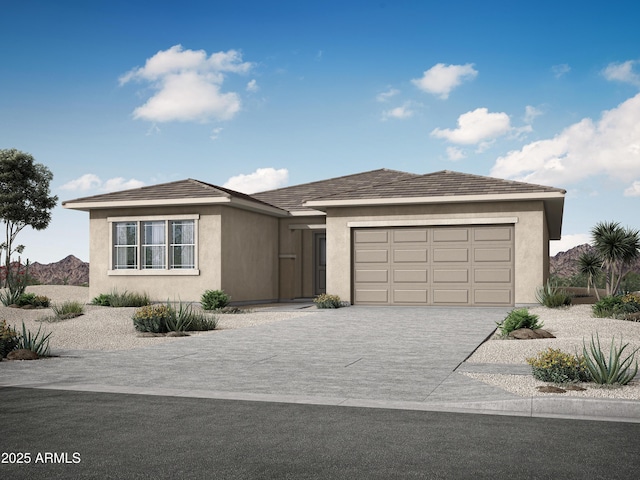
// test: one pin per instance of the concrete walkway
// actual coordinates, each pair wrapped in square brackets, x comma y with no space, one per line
[396,357]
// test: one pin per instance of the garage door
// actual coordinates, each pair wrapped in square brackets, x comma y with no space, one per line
[468,265]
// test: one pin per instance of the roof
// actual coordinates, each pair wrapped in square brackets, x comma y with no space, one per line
[181,192]
[293,198]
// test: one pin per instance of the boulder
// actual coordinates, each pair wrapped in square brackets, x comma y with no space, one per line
[575,388]
[22,354]
[528,334]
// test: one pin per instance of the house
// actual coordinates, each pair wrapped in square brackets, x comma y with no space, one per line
[381,237]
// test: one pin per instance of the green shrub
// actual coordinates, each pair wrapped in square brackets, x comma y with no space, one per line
[616,370]
[152,318]
[125,299]
[616,306]
[214,300]
[552,296]
[558,367]
[8,339]
[38,343]
[32,299]
[166,318]
[69,309]
[518,318]
[326,300]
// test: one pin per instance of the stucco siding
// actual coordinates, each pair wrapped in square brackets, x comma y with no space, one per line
[249,255]
[529,237]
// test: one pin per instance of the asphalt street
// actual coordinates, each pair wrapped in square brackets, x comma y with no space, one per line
[82,435]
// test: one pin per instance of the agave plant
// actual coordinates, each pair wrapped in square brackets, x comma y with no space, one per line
[38,343]
[616,370]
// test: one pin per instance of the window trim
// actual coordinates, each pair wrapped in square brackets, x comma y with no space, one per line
[139,270]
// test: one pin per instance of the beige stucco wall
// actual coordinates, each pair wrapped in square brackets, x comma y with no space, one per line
[531,239]
[237,252]
[249,255]
[296,256]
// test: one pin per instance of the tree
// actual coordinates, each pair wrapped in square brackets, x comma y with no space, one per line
[617,248]
[25,199]
[590,265]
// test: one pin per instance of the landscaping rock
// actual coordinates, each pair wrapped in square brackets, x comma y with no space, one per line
[177,334]
[528,334]
[22,354]
[575,388]
[551,389]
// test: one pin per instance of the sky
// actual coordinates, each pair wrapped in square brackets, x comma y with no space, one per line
[256,95]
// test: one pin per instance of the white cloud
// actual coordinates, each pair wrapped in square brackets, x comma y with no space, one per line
[441,79]
[475,127]
[187,85]
[610,146]
[567,242]
[455,154]
[252,86]
[260,180]
[633,190]
[531,113]
[622,72]
[85,182]
[399,113]
[560,70]
[90,181]
[385,96]
[215,133]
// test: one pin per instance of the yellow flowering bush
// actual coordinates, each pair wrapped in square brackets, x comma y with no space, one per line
[152,318]
[552,365]
[8,338]
[326,300]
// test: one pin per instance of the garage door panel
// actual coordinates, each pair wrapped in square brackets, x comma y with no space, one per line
[372,256]
[450,254]
[415,296]
[404,236]
[451,276]
[451,235]
[490,234]
[410,255]
[372,296]
[466,265]
[416,275]
[493,254]
[492,275]
[371,236]
[492,297]
[372,276]
[451,296]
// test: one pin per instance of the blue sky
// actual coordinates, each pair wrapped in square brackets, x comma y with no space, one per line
[258,95]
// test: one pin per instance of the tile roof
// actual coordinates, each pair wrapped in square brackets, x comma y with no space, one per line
[292,198]
[178,190]
[438,184]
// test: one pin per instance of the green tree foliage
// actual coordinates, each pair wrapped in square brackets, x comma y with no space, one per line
[25,199]
[616,249]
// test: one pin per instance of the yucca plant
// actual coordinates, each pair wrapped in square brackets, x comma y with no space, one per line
[616,370]
[552,296]
[38,343]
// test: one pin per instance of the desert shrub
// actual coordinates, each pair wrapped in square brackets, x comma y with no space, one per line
[69,309]
[214,300]
[124,299]
[152,318]
[518,318]
[616,306]
[38,343]
[38,301]
[558,367]
[166,318]
[326,300]
[552,296]
[8,338]
[617,370]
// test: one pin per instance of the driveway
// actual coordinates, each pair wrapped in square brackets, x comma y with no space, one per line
[382,356]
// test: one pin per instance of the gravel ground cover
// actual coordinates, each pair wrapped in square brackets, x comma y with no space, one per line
[572,326]
[107,328]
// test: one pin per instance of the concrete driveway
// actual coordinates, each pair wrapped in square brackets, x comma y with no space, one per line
[384,356]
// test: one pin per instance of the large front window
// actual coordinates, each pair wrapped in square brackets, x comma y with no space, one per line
[154,244]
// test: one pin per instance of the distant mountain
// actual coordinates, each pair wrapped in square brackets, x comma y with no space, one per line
[565,264]
[68,271]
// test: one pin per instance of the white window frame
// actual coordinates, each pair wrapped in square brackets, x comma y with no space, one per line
[139,269]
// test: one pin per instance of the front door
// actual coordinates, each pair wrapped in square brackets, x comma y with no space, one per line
[320,263]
